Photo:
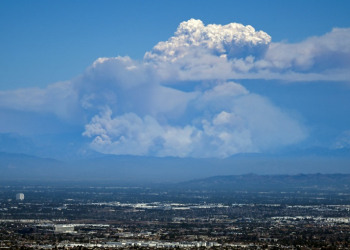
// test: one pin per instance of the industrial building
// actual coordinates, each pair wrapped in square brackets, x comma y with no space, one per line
[20,196]
[63,228]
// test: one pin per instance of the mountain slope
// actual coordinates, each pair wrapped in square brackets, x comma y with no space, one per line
[22,166]
[272,182]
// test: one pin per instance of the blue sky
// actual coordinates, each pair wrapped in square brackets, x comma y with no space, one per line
[285,87]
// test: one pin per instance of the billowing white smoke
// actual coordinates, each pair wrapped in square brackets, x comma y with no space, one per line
[224,120]
[233,40]
[135,107]
[328,54]
[235,51]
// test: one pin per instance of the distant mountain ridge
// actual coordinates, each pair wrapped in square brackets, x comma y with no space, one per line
[23,166]
[271,182]
[307,152]
[64,146]
[166,169]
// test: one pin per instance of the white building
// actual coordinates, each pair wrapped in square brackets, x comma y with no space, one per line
[20,196]
[63,228]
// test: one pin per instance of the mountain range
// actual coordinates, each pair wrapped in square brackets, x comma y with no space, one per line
[253,182]
[138,169]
